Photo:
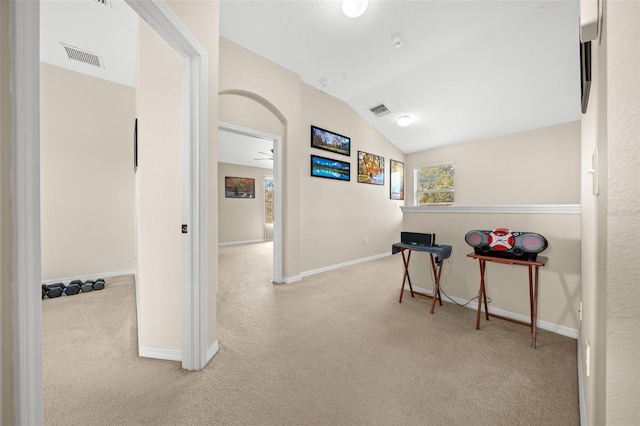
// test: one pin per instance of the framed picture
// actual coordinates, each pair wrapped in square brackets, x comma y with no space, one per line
[330,169]
[239,187]
[396,175]
[135,146]
[370,168]
[329,141]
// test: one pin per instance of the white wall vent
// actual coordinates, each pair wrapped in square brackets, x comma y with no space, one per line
[380,110]
[81,55]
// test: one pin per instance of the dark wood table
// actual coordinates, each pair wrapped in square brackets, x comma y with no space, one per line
[441,252]
[533,266]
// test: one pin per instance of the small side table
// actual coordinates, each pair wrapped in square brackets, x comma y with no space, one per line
[441,252]
[533,266]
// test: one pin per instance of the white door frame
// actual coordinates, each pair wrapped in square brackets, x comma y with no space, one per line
[277,196]
[25,89]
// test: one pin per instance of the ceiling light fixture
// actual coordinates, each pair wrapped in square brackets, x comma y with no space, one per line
[354,8]
[404,120]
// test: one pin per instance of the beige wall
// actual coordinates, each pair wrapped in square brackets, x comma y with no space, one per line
[6,226]
[336,216]
[539,166]
[159,180]
[201,18]
[245,75]
[241,219]
[493,172]
[610,290]
[87,191]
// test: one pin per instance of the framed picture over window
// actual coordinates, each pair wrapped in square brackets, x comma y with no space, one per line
[396,186]
[370,168]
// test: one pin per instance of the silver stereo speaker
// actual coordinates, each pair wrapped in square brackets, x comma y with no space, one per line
[502,242]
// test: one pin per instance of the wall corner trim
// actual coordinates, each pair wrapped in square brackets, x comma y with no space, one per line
[498,209]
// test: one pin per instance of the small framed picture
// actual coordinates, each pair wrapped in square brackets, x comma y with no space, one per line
[396,175]
[239,187]
[370,168]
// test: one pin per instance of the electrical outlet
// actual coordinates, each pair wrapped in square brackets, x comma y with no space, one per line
[365,241]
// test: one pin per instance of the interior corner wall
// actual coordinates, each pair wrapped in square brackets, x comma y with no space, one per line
[337,216]
[7,416]
[87,194]
[260,80]
[241,220]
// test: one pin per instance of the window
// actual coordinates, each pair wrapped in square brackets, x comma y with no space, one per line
[268,200]
[433,185]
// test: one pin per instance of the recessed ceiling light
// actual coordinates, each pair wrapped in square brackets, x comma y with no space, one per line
[404,120]
[354,8]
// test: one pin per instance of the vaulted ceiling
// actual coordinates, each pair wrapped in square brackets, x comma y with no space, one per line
[465,70]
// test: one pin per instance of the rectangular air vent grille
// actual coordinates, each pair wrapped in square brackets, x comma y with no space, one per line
[380,110]
[83,56]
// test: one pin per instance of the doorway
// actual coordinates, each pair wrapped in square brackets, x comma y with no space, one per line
[248,157]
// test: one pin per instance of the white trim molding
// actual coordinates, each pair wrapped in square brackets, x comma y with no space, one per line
[504,209]
[235,243]
[213,350]
[544,325]
[112,274]
[156,352]
[342,265]
[25,146]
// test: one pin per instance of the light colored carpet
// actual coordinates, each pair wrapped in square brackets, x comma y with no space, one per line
[334,349]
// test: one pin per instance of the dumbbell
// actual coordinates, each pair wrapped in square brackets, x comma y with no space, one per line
[87,286]
[53,290]
[74,287]
[99,284]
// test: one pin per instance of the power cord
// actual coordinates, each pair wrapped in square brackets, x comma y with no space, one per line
[446,279]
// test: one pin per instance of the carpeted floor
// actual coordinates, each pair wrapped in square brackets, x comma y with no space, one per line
[334,349]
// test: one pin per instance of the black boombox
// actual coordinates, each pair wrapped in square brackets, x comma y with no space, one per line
[502,242]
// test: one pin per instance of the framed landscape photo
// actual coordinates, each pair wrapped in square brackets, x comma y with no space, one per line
[370,168]
[329,141]
[329,168]
[239,187]
[396,176]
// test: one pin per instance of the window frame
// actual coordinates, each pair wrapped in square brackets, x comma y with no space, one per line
[416,192]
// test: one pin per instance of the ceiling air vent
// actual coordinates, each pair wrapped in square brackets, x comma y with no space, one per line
[83,56]
[380,110]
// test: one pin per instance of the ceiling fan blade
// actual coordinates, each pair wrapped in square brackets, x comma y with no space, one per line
[265,153]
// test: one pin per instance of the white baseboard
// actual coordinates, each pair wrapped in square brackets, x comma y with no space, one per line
[544,325]
[342,265]
[212,351]
[233,243]
[160,353]
[83,278]
[288,280]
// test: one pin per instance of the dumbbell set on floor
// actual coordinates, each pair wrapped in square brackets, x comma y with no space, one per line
[74,287]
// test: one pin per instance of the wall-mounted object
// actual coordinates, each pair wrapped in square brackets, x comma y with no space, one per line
[330,169]
[589,19]
[585,74]
[396,185]
[239,187]
[329,141]
[135,146]
[370,168]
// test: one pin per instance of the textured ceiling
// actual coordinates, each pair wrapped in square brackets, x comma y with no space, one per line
[467,69]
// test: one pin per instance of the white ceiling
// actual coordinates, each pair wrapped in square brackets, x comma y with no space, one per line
[467,69]
[246,150]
